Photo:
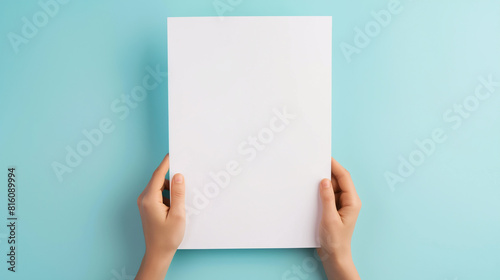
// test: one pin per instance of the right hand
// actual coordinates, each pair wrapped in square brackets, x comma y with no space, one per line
[341,206]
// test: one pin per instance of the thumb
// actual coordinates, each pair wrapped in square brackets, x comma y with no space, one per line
[177,195]
[328,199]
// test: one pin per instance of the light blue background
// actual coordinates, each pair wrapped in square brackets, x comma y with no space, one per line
[443,222]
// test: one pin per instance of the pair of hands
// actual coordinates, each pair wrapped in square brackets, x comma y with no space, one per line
[164,221]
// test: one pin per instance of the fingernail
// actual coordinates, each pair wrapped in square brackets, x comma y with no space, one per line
[325,184]
[178,178]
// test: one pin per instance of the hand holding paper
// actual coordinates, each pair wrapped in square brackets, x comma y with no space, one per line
[163,221]
[341,206]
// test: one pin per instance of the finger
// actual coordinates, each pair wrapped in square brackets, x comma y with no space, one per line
[343,178]
[328,200]
[158,178]
[337,191]
[166,185]
[166,201]
[348,197]
[336,187]
[177,195]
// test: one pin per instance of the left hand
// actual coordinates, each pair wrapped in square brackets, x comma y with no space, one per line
[163,220]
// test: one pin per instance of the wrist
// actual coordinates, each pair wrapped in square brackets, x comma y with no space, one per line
[336,253]
[340,265]
[154,265]
[160,258]
[341,259]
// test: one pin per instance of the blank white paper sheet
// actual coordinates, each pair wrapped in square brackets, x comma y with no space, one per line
[250,127]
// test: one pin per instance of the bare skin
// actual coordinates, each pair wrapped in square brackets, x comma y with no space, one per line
[164,222]
[341,206]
